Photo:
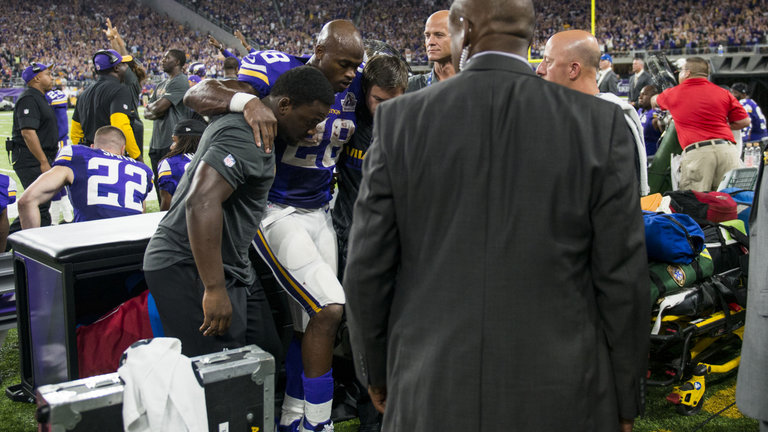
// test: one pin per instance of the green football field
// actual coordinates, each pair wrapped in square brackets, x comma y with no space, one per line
[660,415]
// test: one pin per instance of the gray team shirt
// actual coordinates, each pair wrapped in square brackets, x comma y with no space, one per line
[228,147]
[172,89]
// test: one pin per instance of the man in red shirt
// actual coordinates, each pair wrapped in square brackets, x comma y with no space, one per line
[705,116]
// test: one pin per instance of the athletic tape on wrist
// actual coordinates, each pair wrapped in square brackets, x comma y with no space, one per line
[237,104]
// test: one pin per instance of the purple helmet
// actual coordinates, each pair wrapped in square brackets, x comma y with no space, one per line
[197,69]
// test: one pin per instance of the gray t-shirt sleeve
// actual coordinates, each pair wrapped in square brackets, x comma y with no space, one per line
[176,89]
[235,156]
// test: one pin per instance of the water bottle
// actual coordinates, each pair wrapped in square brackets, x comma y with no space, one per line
[749,158]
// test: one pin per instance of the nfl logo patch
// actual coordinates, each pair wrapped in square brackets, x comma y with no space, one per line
[229,161]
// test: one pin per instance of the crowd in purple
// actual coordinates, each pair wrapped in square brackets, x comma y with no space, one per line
[68,33]
[683,26]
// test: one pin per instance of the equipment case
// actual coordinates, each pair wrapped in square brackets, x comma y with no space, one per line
[68,275]
[239,396]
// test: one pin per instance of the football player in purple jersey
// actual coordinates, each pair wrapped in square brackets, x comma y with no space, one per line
[7,197]
[757,129]
[649,119]
[186,137]
[102,182]
[297,239]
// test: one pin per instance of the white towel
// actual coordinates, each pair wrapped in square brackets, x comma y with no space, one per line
[669,302]
[161,390]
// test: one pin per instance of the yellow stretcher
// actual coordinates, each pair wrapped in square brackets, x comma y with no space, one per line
[688,348]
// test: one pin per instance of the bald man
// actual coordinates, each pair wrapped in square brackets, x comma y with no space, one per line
[297,239]
[454,326]
[437,40]
[571,59]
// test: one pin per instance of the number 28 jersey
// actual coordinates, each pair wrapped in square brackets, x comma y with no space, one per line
[105,185]
[304,170]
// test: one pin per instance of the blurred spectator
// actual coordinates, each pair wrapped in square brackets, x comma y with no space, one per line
[638,80]
[649,118]
[756,130]
[607,80]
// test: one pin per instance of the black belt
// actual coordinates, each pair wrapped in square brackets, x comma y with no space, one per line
[696,145]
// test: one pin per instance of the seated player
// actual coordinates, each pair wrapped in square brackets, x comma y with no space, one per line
[7,197]
[61,208]
[186,136]
[102,182]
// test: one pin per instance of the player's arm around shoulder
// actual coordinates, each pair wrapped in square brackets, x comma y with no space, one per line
[212,97]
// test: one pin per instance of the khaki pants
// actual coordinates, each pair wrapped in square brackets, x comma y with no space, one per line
[702,169]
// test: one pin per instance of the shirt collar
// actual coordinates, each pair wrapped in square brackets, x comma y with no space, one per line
[502,53]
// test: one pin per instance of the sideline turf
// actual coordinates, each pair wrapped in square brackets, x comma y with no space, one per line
[660,415]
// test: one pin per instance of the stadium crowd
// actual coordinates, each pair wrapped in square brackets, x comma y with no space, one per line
[66,32]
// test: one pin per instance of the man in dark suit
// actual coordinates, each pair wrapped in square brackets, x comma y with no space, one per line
[752,384]
[607,80]
[639,79]
[495,283]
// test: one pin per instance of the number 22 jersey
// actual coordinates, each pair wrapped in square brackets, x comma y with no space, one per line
[105,185]
[304,170]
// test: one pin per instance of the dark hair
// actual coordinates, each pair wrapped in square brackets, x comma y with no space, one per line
[231,63]
[652,89]
[304,85]
[185,144]
[138,70]
[178,55]
[740,87]
[385,71]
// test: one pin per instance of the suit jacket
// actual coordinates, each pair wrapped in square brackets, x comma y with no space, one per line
[637,84]
[752,383]
[497,269]
[609,83]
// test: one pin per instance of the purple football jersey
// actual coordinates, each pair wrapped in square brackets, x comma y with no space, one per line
[105,185]
[305,170]
[170,170]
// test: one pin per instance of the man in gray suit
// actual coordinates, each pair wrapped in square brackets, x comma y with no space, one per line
[494,281]
[752,384]
[639,79]
[607,80]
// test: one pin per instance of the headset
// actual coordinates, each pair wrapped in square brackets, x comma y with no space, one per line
[113,59]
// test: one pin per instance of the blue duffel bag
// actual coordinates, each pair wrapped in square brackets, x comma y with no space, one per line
[672,238]
[743,200]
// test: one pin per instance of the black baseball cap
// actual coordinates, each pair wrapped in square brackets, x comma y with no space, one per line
[189,127]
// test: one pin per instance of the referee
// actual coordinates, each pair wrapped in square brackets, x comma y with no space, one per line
[34,134]
[106,103]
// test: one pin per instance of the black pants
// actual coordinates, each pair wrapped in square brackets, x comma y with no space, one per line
[27,175]
[178,293]
[154,157]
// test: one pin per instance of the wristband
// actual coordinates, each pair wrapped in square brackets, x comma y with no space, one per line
[238,101]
